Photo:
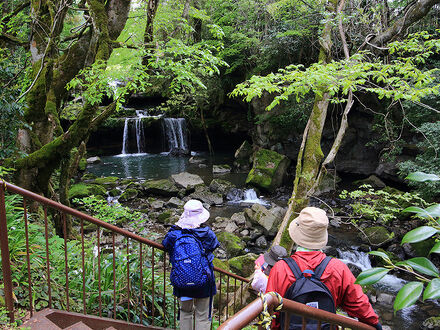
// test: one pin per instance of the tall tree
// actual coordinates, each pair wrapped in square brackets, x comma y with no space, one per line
[328,80]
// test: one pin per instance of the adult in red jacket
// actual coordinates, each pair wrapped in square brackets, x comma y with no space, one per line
[309,232]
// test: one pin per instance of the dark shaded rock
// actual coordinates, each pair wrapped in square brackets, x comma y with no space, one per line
[220,186]
[377,235]
[162,187]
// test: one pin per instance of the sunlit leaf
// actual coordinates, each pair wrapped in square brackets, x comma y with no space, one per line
[383,255]
[421,177]
[419,234]
[422,265]
[435,248]
[434,210]
[408,295]
[432,290]
[371,276]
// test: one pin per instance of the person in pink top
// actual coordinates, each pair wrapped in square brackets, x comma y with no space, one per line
[309,232]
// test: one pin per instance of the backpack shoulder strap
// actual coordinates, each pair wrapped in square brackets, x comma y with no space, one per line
[321,267]
[293,267]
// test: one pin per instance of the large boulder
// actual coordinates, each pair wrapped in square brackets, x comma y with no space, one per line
[262,217]
[268,170]
[162,187]
[220,186]
[243,265]
[107,181]
[203,194]
[128,195]
[231,243]
[187,180]
[85,190]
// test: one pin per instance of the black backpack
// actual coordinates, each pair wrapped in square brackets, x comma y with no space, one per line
[310,291]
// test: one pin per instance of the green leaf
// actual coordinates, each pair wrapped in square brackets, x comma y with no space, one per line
[418,234]
[435,248]
[408,295]
[422,265]
[421,177]
[434,210]
[383,255]
[371,276]
[432,290]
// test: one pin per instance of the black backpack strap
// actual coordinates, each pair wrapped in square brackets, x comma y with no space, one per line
[321,267]
[293,267]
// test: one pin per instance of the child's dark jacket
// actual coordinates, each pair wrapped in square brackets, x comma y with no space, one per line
[209,242]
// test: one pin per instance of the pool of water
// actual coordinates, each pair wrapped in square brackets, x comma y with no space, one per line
[161,166]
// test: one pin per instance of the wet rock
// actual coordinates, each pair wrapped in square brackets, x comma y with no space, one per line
[235,194]
[231,243]
[356,270]
[187,180]
[385,299]
[243,265]
[174,202]
[261,242]
[268,170]
[221,222]
[335,222]
[93,160]
[231,227]
[220,186]
[203,194]
[328,183]
[114,192]
[107,181]
[221,169]
[196,160]
[239,218]
[162,187]
[166,217]
[244,233]
[128,195]
[261,216]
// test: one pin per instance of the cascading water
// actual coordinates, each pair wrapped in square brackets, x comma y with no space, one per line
[176,135]
[139,132]
[249,196]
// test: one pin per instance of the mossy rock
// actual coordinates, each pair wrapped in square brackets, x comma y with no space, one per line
[162,187]
[114,192]
[243,265]
[431,323]
[232,244]
[82,165]
[165,217]
[268,170]
[220,186]
[128,195]
[88,177]
[380,262]
[111,181]
[377,235]
[221,264]
[85,190]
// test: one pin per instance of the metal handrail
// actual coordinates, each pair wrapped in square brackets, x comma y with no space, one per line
[246,315]
[77,214]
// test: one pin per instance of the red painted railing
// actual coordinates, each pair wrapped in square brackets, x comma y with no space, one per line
[141,256]
[249,313]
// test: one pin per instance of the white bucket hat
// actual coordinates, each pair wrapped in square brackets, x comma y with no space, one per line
[309,229]
[194,214]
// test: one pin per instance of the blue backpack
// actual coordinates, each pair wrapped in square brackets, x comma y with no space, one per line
[308,290]
[191,268]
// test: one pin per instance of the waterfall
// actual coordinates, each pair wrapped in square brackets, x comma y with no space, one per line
[139,131]
[175,132]
[249,196]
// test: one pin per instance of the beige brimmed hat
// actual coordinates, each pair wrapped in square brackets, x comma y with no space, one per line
[309,229]
[194,214]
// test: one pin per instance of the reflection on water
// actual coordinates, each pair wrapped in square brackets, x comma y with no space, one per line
[140,166]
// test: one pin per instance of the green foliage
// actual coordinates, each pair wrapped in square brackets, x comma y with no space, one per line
[421,268]
[121,271]
[379,205]
[113,214]
[426,161]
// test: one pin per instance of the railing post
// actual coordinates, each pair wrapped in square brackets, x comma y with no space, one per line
[4,246]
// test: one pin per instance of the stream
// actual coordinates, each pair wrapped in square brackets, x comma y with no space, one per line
[146,166]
